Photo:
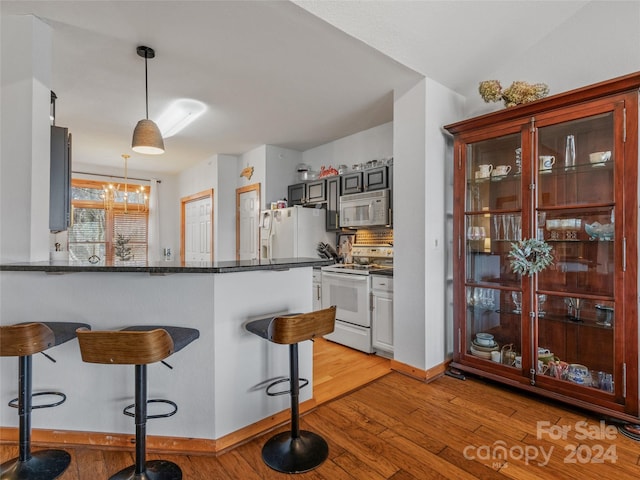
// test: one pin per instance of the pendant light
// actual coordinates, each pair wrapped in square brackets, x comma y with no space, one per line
[146,136]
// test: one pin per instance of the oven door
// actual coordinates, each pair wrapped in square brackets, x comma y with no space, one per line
[350,294]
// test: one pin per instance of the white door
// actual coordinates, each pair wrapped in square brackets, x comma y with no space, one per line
[198,230]
[248,222]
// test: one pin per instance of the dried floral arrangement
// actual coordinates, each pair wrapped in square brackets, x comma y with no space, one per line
[530,256]
[519,92]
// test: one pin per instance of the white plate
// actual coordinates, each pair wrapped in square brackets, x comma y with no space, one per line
[480,354]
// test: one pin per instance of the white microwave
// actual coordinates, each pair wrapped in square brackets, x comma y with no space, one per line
[366,209]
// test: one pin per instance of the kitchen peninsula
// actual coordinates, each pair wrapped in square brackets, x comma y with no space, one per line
[218,382]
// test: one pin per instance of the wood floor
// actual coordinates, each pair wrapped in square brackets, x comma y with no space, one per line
[399,428]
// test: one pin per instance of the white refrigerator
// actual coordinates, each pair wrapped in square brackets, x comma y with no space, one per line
[293,232]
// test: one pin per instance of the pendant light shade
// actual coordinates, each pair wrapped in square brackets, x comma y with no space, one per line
[147,138]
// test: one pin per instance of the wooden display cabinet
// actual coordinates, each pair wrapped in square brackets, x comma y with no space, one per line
[563,170]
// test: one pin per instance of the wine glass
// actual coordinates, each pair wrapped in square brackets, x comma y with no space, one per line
[505,225]
[541,299]
[496,225]
[516,227]
[517,301]
[573,307]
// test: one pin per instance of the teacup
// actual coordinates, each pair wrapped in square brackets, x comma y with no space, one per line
[501,170]
[599,157]
[484,170]
[546,162]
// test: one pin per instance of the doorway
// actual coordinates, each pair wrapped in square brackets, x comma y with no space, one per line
[196,236]
[247,220]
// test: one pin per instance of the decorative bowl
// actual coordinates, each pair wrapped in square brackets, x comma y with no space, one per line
[485,339]
[598,231]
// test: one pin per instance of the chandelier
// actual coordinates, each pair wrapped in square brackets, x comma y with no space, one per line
[137,197]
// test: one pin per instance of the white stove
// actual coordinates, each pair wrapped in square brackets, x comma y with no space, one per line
[348,287]
[367,259]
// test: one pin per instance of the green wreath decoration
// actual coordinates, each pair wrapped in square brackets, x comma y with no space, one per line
[530,256]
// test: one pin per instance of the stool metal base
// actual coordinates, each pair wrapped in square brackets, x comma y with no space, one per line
[286,454]
[155,470]
[43,465]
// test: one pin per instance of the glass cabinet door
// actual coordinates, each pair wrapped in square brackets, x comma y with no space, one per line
[492,220]
[576,214]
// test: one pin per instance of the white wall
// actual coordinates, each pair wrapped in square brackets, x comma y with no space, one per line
[225,209]
[280,172]
[374,143]
[25,138]
[601,41]
[256,158]
[420,189]
[443,106]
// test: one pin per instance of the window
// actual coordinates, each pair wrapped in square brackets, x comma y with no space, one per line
[105,228]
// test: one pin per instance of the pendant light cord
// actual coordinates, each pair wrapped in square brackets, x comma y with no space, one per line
[146,85]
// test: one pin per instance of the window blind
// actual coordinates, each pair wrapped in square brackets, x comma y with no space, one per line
[132,226]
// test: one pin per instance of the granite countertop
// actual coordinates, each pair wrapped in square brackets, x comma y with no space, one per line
[162,267]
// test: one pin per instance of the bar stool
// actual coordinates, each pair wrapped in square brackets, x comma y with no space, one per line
[295,451]
[139,346]
[23,340]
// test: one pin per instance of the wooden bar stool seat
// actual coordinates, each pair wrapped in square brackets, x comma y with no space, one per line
[295,451]
[139,346]
[23,340]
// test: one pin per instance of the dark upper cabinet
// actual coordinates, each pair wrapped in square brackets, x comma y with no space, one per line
[296,194]
[375,178]
[333,204]
[60,180]
[351,183]
[316,191]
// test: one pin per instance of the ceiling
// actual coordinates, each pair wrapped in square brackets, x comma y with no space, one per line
[270,72]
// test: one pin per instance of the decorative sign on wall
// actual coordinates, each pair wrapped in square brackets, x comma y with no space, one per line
[247,173]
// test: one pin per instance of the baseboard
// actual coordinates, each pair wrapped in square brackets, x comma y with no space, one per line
[259,428]
[155,443]
[423,375]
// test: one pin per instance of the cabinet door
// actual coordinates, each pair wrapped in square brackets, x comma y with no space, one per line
[351,183]
[316,192]
[60,180]
[297,194]
[375,178]
[490,294]
[581,214]
[382,321]
[333,204]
